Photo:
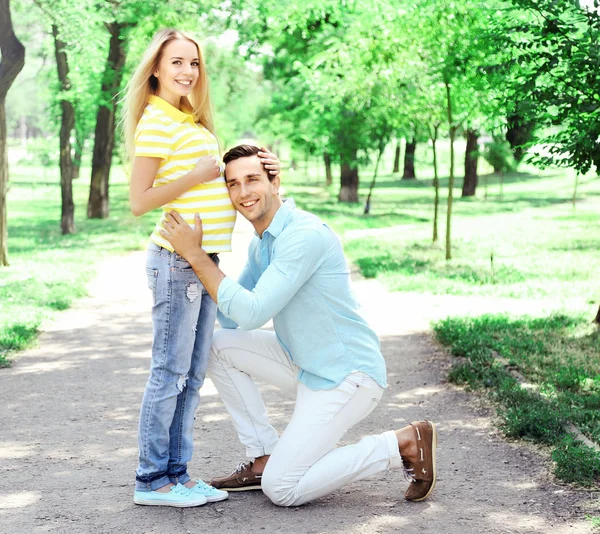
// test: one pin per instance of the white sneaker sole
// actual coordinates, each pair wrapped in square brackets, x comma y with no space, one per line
[174,504]
[244,488]
[217,498]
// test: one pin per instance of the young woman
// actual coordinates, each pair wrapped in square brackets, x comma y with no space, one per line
[176,166]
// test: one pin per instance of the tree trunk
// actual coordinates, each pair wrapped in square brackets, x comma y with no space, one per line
[368,202]
[409,160]
[397,159]
[306,166]
[436,183]
[471,159]
[67,220]
[104,137]
[13,59]
[328,175]
[78,153]
[452,132]
[597,318]
[349,178]
[3,187]
[518,134]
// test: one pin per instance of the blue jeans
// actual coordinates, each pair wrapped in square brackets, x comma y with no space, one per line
[183,318]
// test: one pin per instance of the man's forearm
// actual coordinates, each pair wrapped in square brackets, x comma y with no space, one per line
[206,270]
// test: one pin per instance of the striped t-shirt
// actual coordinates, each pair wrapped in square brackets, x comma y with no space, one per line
[171,135]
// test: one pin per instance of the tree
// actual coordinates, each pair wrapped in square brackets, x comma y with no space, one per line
[104,136]
[327,163]
[330,62]
[71,27]
[519,133]
[436,180]
[455,56]
[13,59]
[396,168]
[471,158]
[409,159]
[555,46]
[67,171]
[452,134]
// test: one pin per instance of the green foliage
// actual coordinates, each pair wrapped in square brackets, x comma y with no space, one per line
[498,154]
[239,93]
[577,464]
[555,48]
[553,353]
[527,416]
[16,337]
[337,73]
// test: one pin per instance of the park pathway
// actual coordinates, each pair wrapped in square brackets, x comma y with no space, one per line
[69,416]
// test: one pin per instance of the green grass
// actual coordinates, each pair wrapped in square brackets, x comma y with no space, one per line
[560,355]
[531,244]
[47,270]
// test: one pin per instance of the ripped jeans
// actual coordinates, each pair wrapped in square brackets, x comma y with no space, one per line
[183,319]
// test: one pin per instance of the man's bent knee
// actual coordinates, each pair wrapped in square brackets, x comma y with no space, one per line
[278,491]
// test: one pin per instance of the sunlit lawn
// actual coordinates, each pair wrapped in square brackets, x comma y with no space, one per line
[532,242]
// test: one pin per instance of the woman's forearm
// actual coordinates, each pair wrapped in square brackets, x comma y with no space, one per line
[144,200]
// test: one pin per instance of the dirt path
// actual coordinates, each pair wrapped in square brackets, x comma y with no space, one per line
[68,436]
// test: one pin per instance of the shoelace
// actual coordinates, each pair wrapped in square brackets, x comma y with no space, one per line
[180,489]
[409,474]
[203,485]
[242,466]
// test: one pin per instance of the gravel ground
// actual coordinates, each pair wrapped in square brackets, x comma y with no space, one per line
[69,419]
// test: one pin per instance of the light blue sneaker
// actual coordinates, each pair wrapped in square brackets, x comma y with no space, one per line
[179,497]
[211,494]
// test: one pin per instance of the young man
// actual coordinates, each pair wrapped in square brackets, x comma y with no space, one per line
[322,348]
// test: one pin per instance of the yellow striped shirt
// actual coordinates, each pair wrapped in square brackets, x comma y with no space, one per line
[171,135]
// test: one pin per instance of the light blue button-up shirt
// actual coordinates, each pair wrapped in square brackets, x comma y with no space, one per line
[297,275]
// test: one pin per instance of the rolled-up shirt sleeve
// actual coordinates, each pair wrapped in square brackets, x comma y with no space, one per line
[296,257]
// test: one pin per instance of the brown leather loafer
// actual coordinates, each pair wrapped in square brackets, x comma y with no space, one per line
[421,468]
[242,479]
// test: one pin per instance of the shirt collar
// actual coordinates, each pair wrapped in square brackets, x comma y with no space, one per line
[176,114]
[278,223]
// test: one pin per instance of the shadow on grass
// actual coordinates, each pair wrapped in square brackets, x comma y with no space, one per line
[490,179]
[576,245]
[387,206]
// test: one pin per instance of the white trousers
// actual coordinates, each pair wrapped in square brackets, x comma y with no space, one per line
[305,463]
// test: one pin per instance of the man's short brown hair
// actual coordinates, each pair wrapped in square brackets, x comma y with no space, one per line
[243,151]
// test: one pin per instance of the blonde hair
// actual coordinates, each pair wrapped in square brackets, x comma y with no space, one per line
[143,83]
